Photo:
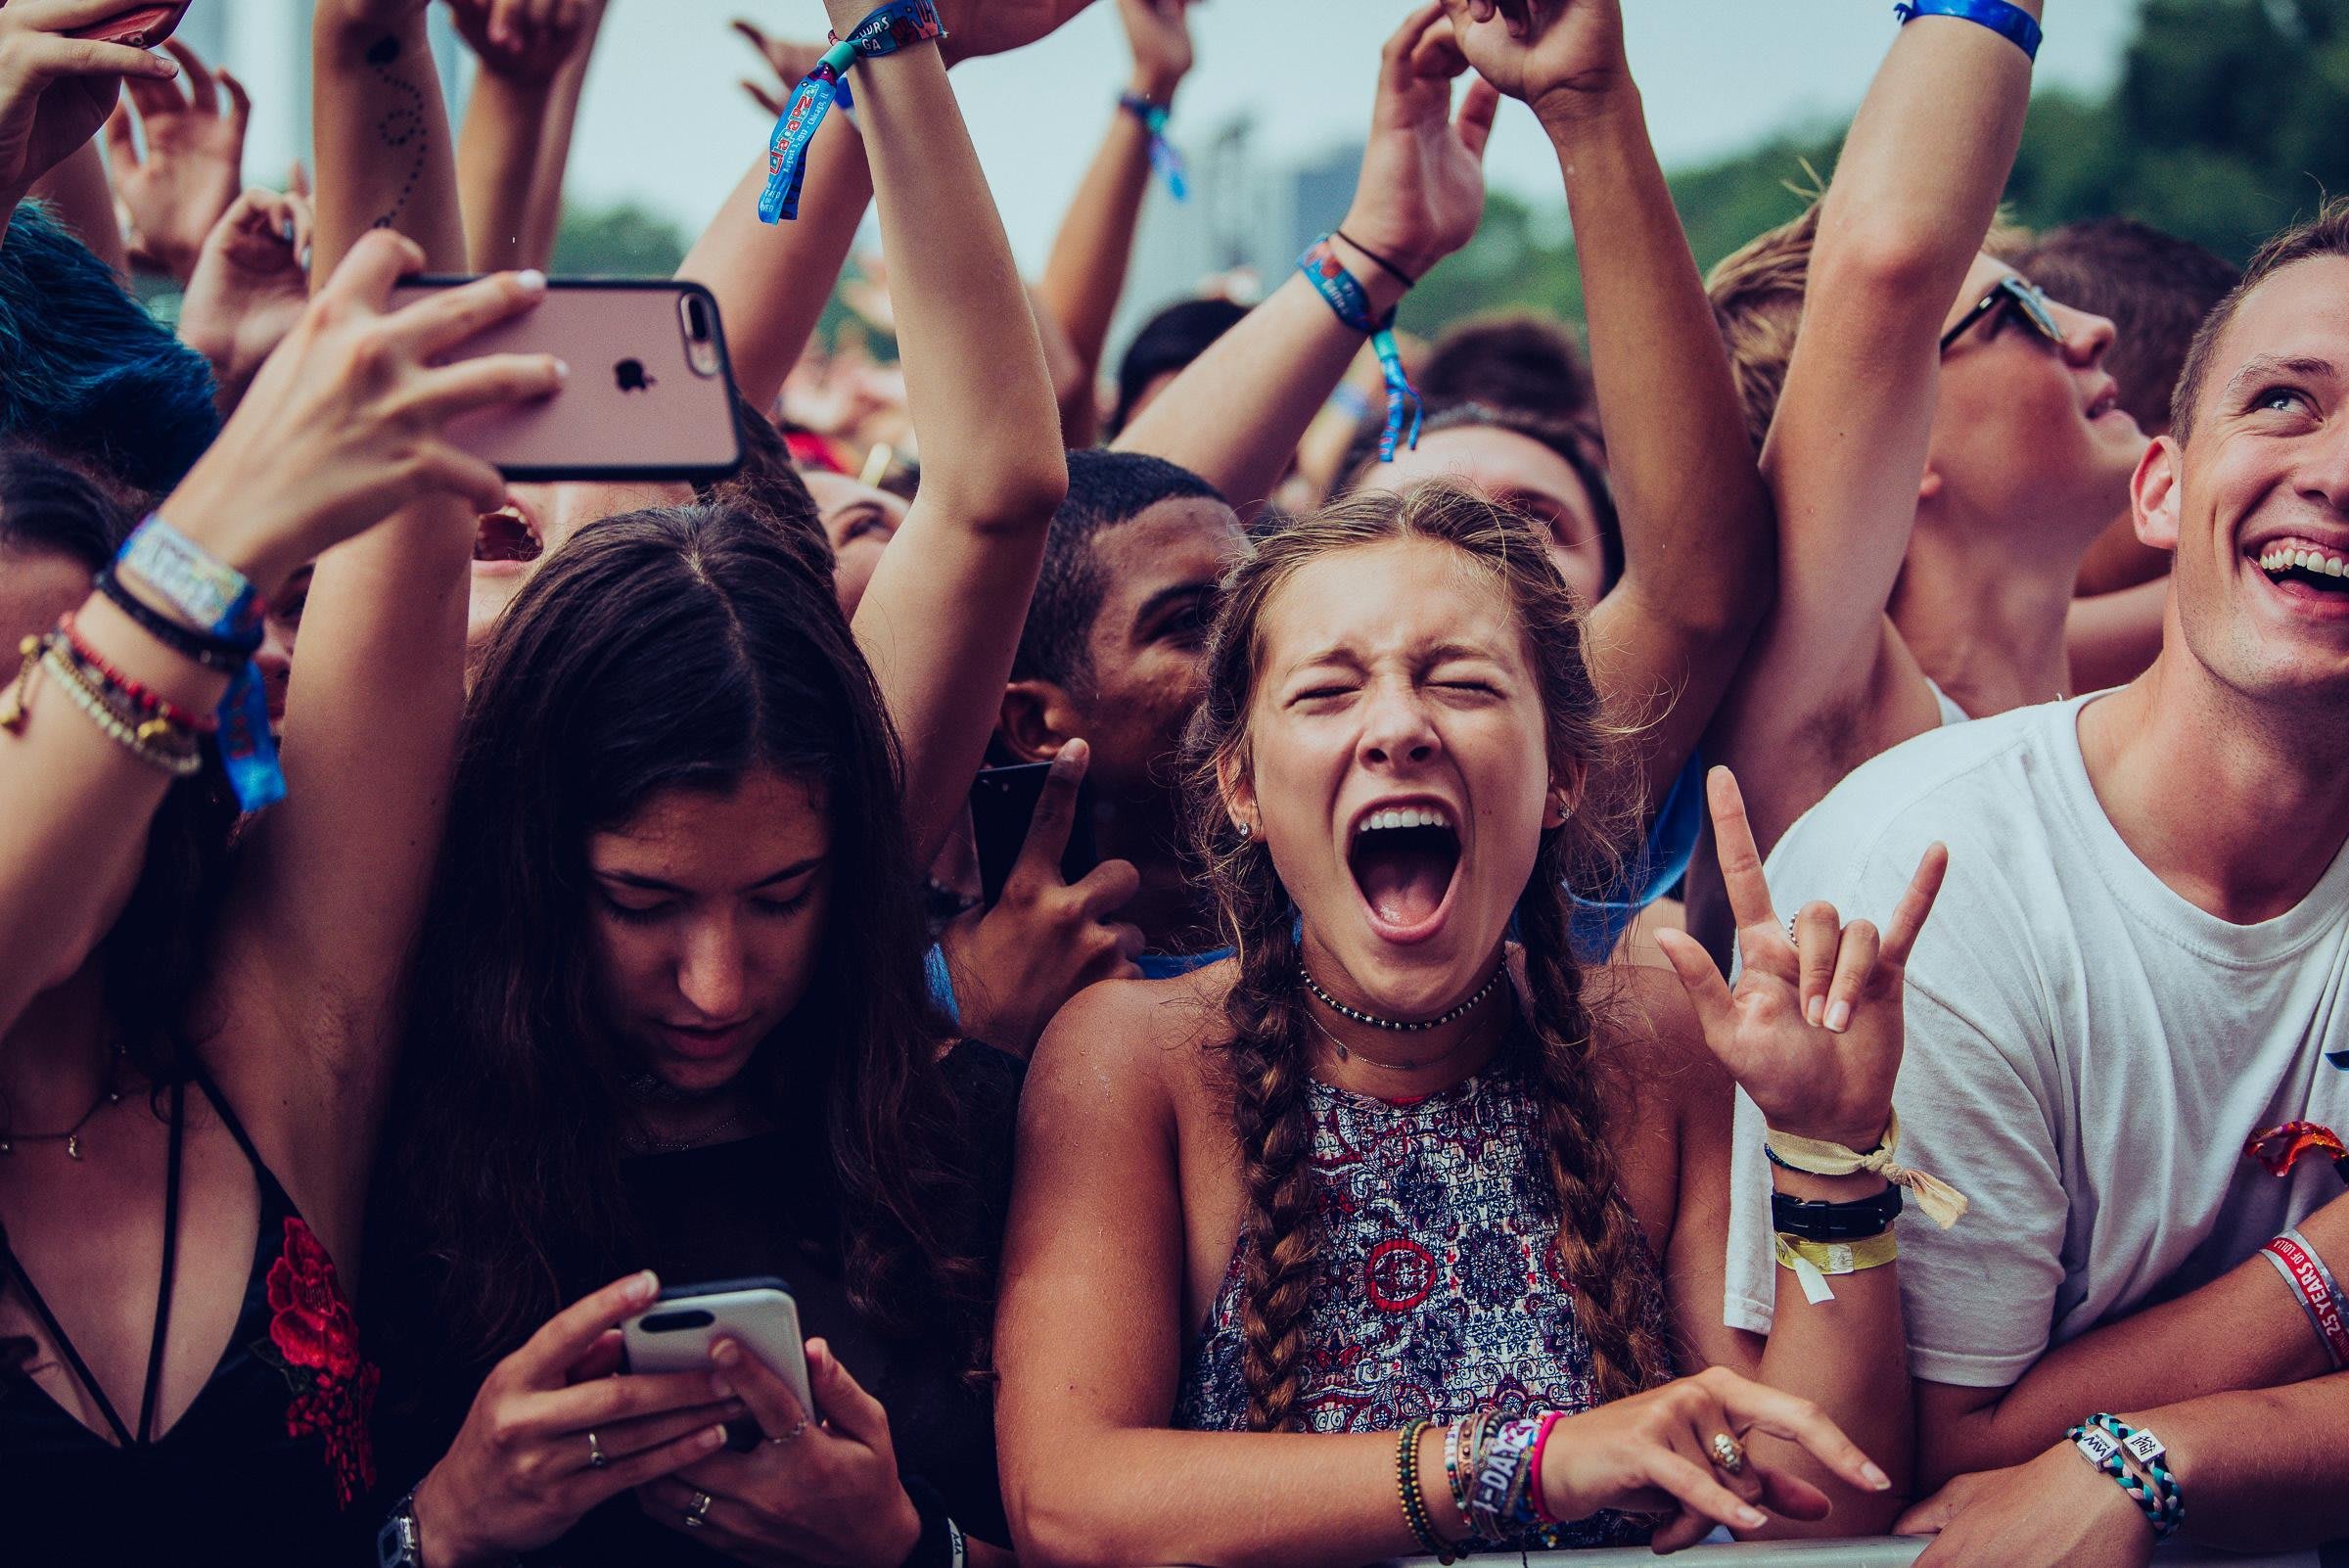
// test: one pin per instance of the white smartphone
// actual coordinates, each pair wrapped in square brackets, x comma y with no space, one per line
[674,1334]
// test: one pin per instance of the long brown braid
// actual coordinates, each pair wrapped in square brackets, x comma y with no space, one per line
[1269,1053]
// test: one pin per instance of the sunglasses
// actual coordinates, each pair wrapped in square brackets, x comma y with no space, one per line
[2013,296]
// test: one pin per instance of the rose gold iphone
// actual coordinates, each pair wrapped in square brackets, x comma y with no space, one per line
[139,27]
[650,394]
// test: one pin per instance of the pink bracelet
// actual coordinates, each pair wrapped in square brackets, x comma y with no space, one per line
[1549,1419]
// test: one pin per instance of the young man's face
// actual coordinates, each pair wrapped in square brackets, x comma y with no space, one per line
[2029,429]
[1149,647]
[2256,504]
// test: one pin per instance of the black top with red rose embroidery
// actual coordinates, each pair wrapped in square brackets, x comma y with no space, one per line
[274,1461]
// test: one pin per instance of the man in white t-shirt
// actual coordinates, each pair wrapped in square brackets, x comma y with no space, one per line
[2140,960]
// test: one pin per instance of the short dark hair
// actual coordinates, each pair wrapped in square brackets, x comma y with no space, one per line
[1522,360]
[85,372]
[2326,234]
[1168,342]
[1573,444]
[48,509]
[1105,488]
[2155,288]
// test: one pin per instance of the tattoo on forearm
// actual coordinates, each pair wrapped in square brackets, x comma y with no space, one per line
[403,128]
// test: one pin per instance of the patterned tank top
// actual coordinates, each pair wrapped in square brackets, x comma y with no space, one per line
[1439,1290]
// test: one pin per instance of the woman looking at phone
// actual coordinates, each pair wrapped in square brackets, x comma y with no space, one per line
[1457,1183]
[671,1006]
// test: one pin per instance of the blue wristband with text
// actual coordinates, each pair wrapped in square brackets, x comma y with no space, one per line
[1352,305]
[1164,158]
[216,598]
[2009,22]
[896,26]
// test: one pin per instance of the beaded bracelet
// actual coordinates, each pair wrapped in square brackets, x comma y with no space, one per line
[172,750]
[228,655]
[1406,1483]
[139,697]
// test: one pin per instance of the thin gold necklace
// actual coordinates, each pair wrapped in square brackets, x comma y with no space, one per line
[71,1137]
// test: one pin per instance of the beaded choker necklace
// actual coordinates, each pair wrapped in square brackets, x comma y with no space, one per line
[1401,1026]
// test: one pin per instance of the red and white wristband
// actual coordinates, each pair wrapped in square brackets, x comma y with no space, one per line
[2319,1297]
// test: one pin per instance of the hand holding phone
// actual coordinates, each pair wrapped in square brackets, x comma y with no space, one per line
[1048,932]
[679,1331]
[143,27]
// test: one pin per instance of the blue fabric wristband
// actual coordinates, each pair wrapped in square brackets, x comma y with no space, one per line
[2009,22]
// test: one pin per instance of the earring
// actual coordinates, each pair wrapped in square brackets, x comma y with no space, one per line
[1247,832]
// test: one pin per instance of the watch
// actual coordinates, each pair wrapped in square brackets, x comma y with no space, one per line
[399,1543]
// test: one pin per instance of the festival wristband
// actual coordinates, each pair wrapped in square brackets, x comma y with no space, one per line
[2009,22]
[2312,1283]
[896,26]
[1165,157]
[1942,1203]
[217,597]
[2109,1444]
[1347,298]
[1812,1262]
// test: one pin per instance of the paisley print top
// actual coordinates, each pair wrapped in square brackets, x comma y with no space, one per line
[1440,1291]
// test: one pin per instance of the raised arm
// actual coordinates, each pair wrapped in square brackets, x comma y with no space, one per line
[1236,415]
[1086,274]
[526,53]
[57,90]
[941,616]
[79,196]
[1912,201]
[325,908]
[1698,541]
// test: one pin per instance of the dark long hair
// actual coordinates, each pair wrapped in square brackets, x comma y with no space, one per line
[154,955]
[1269,1052]
[662,650]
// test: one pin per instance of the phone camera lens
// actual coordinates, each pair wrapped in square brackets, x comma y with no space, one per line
[697,319]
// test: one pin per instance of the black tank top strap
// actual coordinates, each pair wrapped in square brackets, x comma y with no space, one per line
[162,1299]
[228,1117]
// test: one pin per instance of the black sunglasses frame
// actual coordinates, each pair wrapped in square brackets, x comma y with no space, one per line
[2011,293]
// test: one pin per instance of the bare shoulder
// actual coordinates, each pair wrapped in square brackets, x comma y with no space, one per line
[1139,1046]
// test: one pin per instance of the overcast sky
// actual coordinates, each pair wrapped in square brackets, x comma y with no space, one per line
[666,126]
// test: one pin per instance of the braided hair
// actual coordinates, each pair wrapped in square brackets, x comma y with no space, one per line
[1270,1051]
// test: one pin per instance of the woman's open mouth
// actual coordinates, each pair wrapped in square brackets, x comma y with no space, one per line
[505,536]
[1405,859]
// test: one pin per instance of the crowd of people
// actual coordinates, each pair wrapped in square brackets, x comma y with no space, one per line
[1736,924]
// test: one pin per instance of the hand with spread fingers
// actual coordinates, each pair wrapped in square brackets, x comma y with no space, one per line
[1555,55]
[346,417]
[554,1431]
[172,192]
[249,285]
[1045,940]
[57,90]
[980,27]
[822,1489]
[791,62]
[2055,1512]
[1813,1030]
[1422,188]
[1679,1449]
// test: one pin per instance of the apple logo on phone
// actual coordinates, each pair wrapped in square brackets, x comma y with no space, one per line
[629,373]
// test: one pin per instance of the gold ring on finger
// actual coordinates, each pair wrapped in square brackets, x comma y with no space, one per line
[1727,1453]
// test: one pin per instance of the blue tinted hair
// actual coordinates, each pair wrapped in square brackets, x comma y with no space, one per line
[85,372]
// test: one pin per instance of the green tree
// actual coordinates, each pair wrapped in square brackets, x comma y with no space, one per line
[617,242]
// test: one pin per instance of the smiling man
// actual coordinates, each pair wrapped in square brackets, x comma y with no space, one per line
[2132,1008]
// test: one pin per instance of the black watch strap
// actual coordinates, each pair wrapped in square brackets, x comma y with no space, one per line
[1812,1220]
[940,1544]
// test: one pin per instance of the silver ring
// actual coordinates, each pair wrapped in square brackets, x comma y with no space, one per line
[1790,936]
[697,1513]
[595,1452]
[1728,1455]
[793,1435]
